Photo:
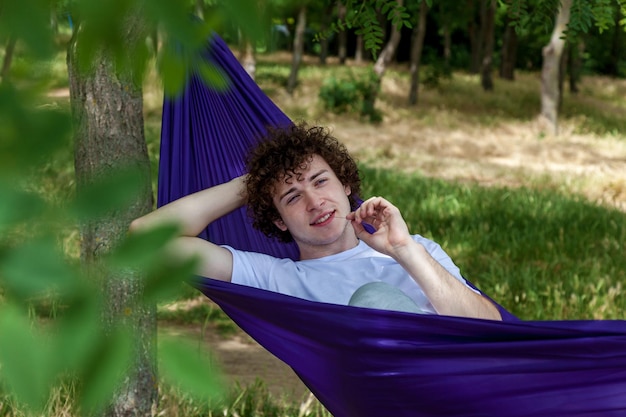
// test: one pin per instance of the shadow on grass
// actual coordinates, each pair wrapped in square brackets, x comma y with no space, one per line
[541,254]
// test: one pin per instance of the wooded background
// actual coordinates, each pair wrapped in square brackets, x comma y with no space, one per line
[111,43]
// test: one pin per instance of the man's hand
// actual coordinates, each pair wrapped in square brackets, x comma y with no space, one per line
[392,234]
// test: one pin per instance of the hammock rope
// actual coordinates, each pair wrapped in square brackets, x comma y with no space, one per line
[372,363]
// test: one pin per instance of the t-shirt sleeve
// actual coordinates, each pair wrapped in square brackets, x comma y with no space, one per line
[251,268]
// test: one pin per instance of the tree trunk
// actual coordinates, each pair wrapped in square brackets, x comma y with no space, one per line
[199,8]
[563,69]
[325,23]
[416,53]
[389,51]
[358,50]
[476,38]
[447,43]
[298,50]
[488,25]
[550,70]
[574,63]
[107,105]
[509,52]
[342,36]
[617,43]
[248,58]
[8,58]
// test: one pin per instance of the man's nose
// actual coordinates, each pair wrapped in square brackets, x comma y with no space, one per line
[313,201]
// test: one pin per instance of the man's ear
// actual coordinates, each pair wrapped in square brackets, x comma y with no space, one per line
[347,189]
[280,224]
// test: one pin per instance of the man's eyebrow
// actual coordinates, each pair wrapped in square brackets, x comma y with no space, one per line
[320,172]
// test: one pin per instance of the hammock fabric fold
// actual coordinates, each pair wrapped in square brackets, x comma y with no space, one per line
[372,363]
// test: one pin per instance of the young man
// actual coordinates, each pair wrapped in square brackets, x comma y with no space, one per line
[302,185]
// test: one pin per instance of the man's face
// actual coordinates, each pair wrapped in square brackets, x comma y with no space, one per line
[313,205]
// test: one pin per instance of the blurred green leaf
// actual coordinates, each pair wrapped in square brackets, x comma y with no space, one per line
[213,76]
[143,249]
[115,191]
[37,268]
[104,372]
[28,20]
[249,17]
[163,282]
[17,206]
[28,135]
[78,333]
[190,368]
[26,364]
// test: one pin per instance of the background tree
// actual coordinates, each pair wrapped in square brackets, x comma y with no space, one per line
[107,105]
[106,64]
[550,73]
[508,52]
[8,57]
[488,16]
[416,52]
[298,49]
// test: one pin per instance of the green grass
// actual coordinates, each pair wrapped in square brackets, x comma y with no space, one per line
[541,254]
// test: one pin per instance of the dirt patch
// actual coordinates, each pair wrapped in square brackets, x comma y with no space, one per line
[243,361]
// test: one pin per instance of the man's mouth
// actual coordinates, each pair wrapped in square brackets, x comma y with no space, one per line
[323,219]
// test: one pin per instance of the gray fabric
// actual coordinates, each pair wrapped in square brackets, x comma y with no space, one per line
[383,296]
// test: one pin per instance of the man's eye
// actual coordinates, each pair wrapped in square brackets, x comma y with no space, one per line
[321,181]
[292,199]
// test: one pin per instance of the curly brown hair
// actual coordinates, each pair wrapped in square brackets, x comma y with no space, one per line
[282,152]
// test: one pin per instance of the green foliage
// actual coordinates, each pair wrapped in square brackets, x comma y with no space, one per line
[584,14]
[52,335]
[363,18]
[353,93]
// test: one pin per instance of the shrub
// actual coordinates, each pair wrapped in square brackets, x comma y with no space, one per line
[352,94]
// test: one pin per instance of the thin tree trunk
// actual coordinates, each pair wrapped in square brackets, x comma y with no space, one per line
[416,53]
[298,50]
[617,43]
[476,38]
[325,22]
[199,7]
[358,50]
[509,52]
[248,58]
[380,66]
[8,57]
[389,51]
[550,69]
[563,69]
[107,105]
[447,43]
[488,27]
[342,36]
[574,64]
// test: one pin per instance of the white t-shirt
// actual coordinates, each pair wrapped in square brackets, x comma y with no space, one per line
[333,279]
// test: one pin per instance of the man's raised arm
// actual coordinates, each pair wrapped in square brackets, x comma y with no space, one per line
[192,214]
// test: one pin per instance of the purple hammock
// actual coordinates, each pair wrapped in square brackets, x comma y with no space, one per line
[363,362]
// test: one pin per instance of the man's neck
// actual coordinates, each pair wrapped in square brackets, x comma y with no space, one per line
[308,252]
